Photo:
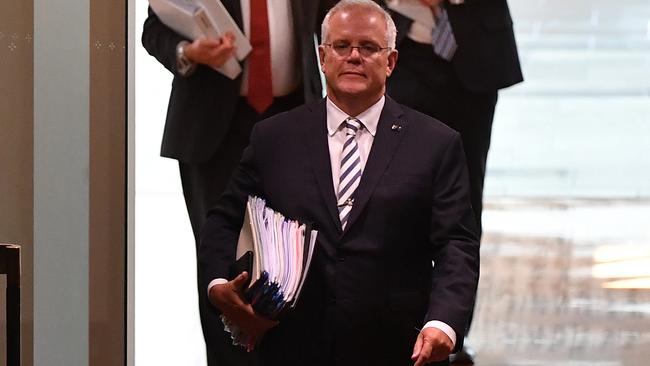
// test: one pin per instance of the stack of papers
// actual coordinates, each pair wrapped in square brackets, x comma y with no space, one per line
[282,251]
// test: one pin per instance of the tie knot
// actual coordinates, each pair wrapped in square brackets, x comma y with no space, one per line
[352,126]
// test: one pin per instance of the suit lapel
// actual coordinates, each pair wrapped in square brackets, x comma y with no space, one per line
[314,135]
[385,144]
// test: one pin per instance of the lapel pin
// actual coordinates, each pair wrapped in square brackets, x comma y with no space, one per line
[396,128]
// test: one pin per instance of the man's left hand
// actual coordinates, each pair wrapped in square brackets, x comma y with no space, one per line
[432,345]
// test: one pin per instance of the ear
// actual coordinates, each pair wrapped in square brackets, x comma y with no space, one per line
[392,61]
[321,56]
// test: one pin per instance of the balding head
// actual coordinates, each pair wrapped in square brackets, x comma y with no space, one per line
[391,30]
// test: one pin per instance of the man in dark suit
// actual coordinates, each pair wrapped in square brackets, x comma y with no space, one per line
[210,116]
[385,186]
[455,76]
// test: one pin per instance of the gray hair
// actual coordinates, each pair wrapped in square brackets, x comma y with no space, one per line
[391,33]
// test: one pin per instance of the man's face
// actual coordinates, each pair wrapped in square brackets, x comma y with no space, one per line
[358,74]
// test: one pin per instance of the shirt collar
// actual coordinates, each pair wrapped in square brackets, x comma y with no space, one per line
[369,118]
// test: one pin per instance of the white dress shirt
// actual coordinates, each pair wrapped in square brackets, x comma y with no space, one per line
[284,68]
[336,134]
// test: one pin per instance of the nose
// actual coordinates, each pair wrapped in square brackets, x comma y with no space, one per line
[354,53]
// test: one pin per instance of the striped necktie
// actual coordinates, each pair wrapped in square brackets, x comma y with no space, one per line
[350,173]
[444,43]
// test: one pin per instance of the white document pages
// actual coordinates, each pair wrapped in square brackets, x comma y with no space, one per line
[282,252]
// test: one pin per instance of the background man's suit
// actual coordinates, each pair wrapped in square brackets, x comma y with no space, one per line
[208,124]
[461,93]
[371,284]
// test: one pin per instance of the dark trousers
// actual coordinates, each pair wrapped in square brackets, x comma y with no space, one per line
[202,185]
[427,83]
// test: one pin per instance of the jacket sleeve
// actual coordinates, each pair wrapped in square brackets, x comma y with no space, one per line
[455,244]
[161,41]
[220,233]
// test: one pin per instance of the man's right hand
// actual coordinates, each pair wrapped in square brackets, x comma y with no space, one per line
[227,297]
[211,52]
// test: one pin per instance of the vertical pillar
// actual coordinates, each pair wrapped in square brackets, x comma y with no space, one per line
[61,182]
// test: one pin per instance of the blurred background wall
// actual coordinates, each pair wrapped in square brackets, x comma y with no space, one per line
[62,176]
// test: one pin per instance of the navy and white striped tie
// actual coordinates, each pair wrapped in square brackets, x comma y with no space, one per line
[350,173]
[444,43]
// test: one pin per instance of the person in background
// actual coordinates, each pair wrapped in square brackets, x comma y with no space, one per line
[209,116]
[453,72]
[387,189]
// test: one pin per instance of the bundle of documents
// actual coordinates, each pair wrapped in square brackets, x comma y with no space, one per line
[204,18]
[279,252]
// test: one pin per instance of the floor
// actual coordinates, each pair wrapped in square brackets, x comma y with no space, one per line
[564,282]
[566,253]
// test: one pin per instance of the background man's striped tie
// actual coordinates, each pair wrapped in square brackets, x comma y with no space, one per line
[444,43]
[350,173]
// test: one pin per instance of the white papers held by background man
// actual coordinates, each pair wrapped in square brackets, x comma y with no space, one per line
[204,18]
[277,253]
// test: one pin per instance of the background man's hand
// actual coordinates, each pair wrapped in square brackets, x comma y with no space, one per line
[211,52]
[227,297]
[431,3]
[432,345]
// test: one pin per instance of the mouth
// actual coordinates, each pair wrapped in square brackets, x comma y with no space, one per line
[354,74]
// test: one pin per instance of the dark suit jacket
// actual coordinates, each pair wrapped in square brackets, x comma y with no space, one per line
[486,59]
[370,285]
[201,106]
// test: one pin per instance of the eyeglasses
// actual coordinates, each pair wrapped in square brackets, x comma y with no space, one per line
[365,50]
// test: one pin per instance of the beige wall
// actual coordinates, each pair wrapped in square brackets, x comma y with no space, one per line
[107,182]
[16,150]
[107,278]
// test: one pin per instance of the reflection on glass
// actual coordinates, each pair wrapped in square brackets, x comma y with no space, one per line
[640,283]
[628,264]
